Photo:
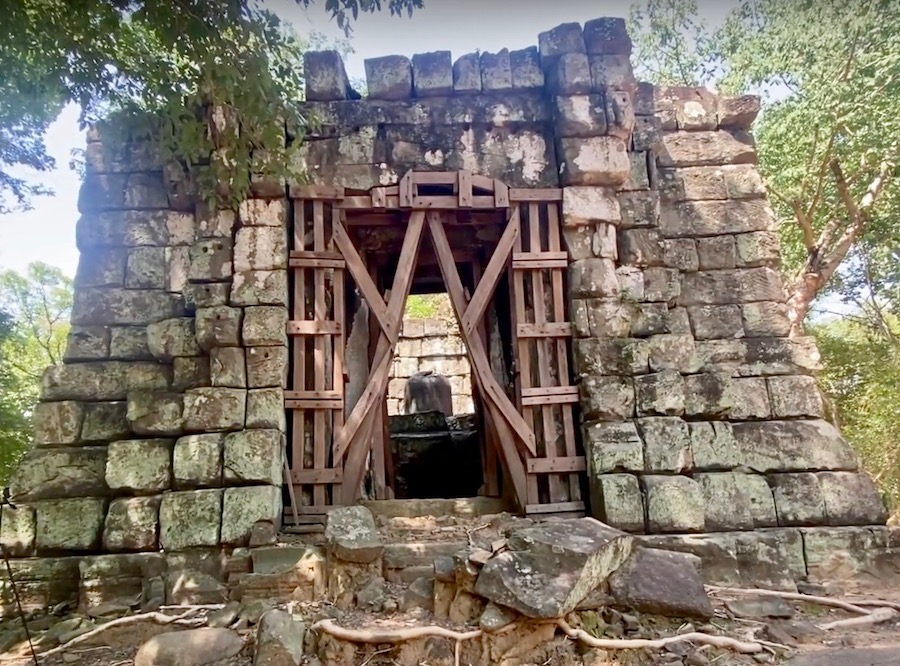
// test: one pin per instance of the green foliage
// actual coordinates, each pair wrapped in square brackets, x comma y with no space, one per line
[219,82]
[34,323]
[862,373]
[428,306]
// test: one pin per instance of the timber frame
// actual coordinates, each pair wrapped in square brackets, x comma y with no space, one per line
[530,444]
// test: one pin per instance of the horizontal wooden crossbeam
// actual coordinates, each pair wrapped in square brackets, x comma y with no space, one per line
[549,329]
[313,327]
[556,465]
[316,476]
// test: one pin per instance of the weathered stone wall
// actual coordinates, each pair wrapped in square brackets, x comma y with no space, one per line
[164,428]
[431,345]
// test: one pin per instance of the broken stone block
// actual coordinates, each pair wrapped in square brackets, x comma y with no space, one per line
[787,446]
[570,75]
[279,639]
[795,396]
[218,326]
[601,160]
[227,367]
[146,268]
[617,501]
[197,461]
[214,409]
[589,205]
[467,75]
[525,66]
[155,413]
[674,504]
[565,561]
[580,116]
[713,446]
[851,499]
[259,288]
[606,398]
[267,367]
[57,422]
[631,284]
[132,524]
[58,473]
[607,36]
[593,278]
[17,532]
[738,112]
[325,76]
[265,326]
[69,524]
[211,260]
[640,247]
[420,594]
[662,582]
[177,269]
[389,77]
[667,446]
[189,373]
[212,223]
[620,120]
[351,535]
[87,343]
[766,319]
[432,74]
[687,149]
[260,249]
[172,338]
[564,38]
[496,71]
[660,393]
[243,507]
[613,447]
[262,213]
[190,519]
[265,409]
[254,456]
[140,466]
[126,307]
[611,71]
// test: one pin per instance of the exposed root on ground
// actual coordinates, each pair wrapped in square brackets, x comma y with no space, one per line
[877,616]
[158,618]
[742,647]
[399,635]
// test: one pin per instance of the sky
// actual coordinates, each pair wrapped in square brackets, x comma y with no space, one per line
[47,233]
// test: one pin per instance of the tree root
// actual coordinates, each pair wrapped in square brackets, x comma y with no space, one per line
[393,636]
[877,616]
[658,643]
[158,618]
[794,596]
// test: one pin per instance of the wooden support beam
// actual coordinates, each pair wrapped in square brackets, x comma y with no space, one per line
[556,465]
[314,327]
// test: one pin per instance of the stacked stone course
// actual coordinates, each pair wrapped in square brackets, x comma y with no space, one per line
[164,429]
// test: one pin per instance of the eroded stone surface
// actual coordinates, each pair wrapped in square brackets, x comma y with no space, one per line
[351,535]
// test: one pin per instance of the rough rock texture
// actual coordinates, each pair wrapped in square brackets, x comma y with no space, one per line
[351,535]
[193,647]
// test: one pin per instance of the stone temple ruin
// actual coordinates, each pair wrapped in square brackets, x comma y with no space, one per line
[613,264]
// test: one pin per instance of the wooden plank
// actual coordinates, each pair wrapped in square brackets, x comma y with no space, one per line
[435,177]
[556,465]
[363,202]
[318,476]
[312,254]
[465,189]
[550,395]
[555,507]
[314,510]
[427,202]
[488,283]
[547,329]
[521,194]
[316,192]
[489,447]
[540,264]
[314,404]
[314,395]
[537,255]
[298,375]
[501,195]
[320,452]
[483,182]
[339,343]
[313,262]
[562,349]
[407,189]
[379,197]
[313,327]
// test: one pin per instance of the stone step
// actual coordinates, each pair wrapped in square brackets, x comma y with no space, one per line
[415,508]
[403,555]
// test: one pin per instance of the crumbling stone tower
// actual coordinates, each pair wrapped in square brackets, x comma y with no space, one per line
[165,428]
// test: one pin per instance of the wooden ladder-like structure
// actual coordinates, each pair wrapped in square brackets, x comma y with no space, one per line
[531,432]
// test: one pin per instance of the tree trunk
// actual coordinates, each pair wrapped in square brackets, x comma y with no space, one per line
[800,296]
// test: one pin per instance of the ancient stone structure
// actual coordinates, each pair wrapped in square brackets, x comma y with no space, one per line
[165,428]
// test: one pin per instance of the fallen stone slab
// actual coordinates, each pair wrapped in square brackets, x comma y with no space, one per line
[193,647]
[849,657]
[550,568]
[758,608]
[662,582]
[351,535]
[279,640]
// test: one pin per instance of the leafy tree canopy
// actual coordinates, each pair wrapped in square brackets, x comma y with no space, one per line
[181,61]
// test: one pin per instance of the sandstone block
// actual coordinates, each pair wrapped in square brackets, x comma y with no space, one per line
[588,205]
[649,319]
[662,582]
[789,446]
[259,288]
[734,501]
[570,74]
[69,524]
[212,223]
[227,367]
[58,473]
[326,78]
[172,338]
[101,267]
[593,278]
[662,285]
[131,524]
[674,504]
[660,393]
[87,343]
[263,213]
[351,535]
[140,466]
[197,461]
[851,499]
[610,356]
[672,352]
[218,326]
[716,322]
[267,367]
[692,184]
[667,444]
[594,161]
[564,38]
[632,285]
[580,116]
[214,409]
[129,343]
[467,75]
[680,253]
[687,149]
[243,507]
[646,134]
[193,646]
[639,176]
[57,422]
[716,252]
[738,112]
[155,413]
[177,269]
[618,501]
[640,247]
[496,71]
[212,260]
[17,533]
[146,268]
[606,398]
[264,326]
[613,447]
[265,409]
[713,446]
[765,319]
[207,294]
[260,249]
[715,218]
[751,399]
[189,373]
[798,499]
[608,319]
[280,638]
[126,307]
[795,396]
[525,66]
[389,77]
[432,74]
[726,287]
[620,120]
[254,456]
[639,209]
[742,181]
[196,576]
[190,519]
[604,36]
[611,71]
[758,248]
